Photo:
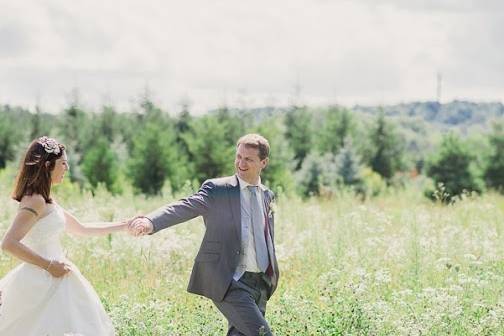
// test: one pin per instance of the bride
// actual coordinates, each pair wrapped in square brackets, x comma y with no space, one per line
[46,294]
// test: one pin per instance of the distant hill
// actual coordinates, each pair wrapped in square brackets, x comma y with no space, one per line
[460,116]
[422,124]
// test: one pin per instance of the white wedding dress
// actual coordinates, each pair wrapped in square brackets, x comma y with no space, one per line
[34,303]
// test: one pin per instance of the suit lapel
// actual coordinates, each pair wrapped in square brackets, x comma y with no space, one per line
[267,200]
[269,236]
[267,210]
[234,202]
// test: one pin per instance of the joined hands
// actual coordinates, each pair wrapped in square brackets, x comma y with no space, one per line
[139,226]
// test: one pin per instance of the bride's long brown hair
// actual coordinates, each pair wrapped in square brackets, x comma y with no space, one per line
[34,176]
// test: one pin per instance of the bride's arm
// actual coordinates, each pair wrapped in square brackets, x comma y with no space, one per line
[73,226]
[29,211]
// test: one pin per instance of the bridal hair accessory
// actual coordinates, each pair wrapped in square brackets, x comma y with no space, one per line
[50,145]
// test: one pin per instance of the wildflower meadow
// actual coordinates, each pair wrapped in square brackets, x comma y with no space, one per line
[398,264]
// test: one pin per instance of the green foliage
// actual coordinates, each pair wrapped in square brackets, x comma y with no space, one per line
[348,165]
[182,126]
[15,126]
[100,165]
[373,183]
[336,125]
[494,170]
[393,265]
[232,123]
[455,116]
[75,128]
[385,154]
[278,174]
[107,124]
[196,148]
[452,166]
[318,174]
[41,124]
[210,148]
[9,137]
[154,158]
[299,133]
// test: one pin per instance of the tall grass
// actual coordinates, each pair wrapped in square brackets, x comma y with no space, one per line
[395,265]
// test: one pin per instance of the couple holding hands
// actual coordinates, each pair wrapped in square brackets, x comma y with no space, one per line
[235,267]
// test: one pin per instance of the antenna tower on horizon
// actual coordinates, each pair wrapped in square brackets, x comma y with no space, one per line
[439,87]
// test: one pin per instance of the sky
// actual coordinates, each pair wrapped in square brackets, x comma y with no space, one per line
[249,53]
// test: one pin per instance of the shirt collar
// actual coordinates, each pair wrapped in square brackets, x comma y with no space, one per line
[244,184]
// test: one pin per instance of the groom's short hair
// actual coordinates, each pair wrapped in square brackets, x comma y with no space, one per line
[256,141]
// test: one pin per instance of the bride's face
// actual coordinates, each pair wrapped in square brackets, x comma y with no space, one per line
[60,168]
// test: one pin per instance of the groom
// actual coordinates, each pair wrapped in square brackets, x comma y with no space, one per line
[236,266]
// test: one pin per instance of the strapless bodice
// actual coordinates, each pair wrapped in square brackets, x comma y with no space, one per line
[35,303]
[44,236]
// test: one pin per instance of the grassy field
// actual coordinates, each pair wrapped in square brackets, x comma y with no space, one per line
[395,265]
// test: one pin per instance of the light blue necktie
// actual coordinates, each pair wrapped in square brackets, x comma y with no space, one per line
[259,239]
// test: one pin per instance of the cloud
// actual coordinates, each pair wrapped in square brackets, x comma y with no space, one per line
[226,51]
[442,6]
[476,51]
[15,41]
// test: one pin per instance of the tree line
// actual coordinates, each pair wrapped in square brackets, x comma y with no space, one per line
[315,151]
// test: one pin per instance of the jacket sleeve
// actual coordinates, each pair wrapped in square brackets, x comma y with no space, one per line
[183,210]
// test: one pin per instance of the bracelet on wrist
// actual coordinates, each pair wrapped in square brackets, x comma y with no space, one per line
[49,266]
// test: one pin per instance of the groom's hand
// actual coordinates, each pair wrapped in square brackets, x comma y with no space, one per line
[131,228]
[140,226]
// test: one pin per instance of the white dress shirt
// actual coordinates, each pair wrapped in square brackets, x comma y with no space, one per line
[248,262]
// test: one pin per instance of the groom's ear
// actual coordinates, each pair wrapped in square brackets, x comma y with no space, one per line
[265,162]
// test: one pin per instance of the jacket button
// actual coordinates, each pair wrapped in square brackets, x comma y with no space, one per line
[237,252]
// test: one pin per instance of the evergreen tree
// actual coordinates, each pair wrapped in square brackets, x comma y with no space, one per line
[40,124]
[155,159]
[336,126]
[233,125]
[278,174]
[182,126]
[348,165]
[99,164]
[299,133]
[208,144]
[494,171]
[108,125]
[386,149]
[7,141]
[36,124]
[75,128]
[317,172]
[11,134]
[452,168]
[155,155]
[148,110]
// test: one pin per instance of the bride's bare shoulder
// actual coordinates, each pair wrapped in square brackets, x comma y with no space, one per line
[33,202]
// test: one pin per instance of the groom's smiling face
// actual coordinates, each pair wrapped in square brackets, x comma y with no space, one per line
[248,164]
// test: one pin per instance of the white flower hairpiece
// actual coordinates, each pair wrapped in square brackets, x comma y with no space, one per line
[50,145]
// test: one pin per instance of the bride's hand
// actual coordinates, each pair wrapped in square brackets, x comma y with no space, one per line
[140,226]
[58,269]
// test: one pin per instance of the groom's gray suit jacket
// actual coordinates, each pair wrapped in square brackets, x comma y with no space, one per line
[218,201]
